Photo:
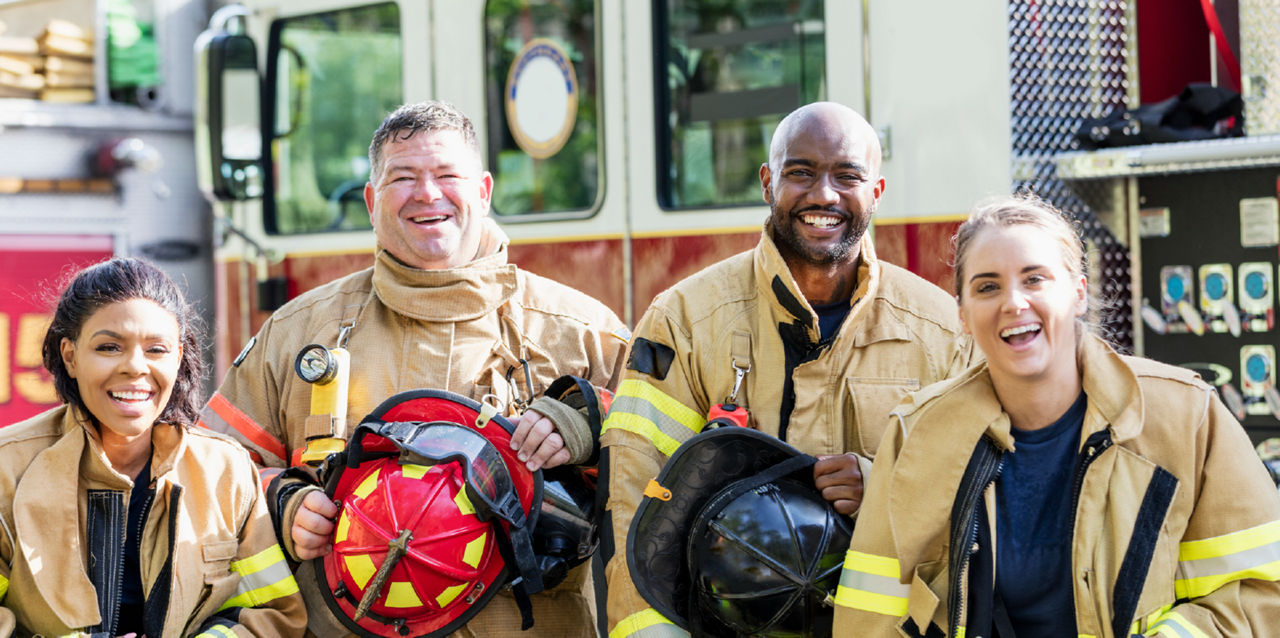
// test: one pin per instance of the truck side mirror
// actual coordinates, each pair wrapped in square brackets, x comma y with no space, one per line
[228,116]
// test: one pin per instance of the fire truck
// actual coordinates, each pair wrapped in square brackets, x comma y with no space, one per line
[96,159]
[625,139]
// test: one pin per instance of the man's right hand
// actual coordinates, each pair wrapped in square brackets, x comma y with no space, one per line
[313,526]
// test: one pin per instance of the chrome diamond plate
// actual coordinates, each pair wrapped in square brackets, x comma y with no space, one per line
[1260,65]
[1070,60]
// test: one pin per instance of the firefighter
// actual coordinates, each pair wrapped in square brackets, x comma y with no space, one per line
[174,538]
[1061,489]
[440,308]
[808,338]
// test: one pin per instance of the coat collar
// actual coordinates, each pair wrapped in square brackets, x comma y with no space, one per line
[955,414]
[780,288]
[932,459]
[54,552]
[467,292]
[1112,388]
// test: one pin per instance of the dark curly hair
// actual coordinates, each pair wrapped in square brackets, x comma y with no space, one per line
[114,281]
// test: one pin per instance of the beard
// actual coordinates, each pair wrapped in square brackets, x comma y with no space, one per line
[786,235]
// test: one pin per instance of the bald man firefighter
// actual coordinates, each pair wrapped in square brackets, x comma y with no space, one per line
[440,309]
[812,340]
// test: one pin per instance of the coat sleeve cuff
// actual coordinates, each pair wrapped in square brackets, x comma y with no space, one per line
[864,466]
[287,512]
[572,426]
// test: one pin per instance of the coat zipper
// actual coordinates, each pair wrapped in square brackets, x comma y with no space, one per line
[1094,446]
[146,513]
[959,593]
[115,618]
[146,508]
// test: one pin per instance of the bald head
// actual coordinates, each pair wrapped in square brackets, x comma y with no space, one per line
[830,119]
[822,183]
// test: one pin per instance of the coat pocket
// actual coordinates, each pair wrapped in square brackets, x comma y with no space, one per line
[219,580]
[925,613]
[871,399]
[217,559]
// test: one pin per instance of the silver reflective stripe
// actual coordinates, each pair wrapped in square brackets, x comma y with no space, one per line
[1170,624]
[884,585]
[1230,563]
[660,630]
[264,578]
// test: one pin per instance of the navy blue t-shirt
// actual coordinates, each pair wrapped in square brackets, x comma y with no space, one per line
[830,316]
[1033,534]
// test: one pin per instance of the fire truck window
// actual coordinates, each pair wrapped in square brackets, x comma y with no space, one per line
[542,106]
[325,109]
[733,69]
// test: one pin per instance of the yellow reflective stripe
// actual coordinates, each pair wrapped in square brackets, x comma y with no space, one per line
[217,631]
[4,586]
[893,606]
[646,624]
[1230,543]
[1174,625]
[871,583]
[872,564]
[960,631]
[260,561]
[264,577]
[637,424]
[1085,636]
[1207,564]
[643,409]
[1140,625]
[262,595]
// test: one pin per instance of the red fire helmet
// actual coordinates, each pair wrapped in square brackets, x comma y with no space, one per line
[436,514]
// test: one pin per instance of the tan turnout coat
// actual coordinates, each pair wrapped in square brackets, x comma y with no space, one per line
[207,532]
[901,334]
[1213,567]
[461,330]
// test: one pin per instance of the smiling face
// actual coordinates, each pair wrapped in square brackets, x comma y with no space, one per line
[822,184]
[124,363]
[428,204]
[1020,301]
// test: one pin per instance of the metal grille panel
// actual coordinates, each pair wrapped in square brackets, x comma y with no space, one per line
[1070,60]
[1260,65]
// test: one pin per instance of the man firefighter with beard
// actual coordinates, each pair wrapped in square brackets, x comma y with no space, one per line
[441,308]
[811,339]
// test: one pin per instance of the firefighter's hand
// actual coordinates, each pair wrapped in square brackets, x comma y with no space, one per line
[313,526]
[839,479]
[538,443]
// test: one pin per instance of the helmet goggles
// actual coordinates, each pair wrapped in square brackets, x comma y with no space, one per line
[488,481]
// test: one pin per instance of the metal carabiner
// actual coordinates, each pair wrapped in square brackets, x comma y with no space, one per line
[520,403]
[738,374]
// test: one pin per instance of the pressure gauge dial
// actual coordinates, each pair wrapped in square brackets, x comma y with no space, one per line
[315,364]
